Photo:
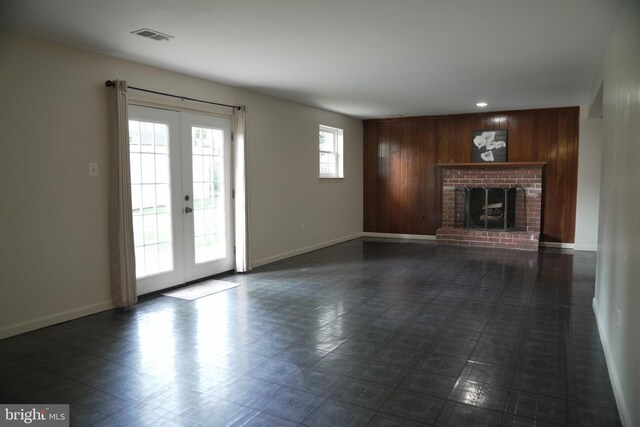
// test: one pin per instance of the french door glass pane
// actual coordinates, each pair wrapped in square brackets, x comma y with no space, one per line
[207,149]
[150,197]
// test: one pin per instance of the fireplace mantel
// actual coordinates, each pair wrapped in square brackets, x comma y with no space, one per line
[491,165]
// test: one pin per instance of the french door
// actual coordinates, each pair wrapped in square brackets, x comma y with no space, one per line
[181,196]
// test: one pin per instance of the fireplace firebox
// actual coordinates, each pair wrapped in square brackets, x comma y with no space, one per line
[490,208]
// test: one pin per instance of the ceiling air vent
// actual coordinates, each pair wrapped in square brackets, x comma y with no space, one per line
[152,34]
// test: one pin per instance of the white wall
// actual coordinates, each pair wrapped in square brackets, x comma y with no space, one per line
[618,265]
[54,259]
[588,197]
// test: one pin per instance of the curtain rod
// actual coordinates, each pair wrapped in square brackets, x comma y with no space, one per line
[110,83]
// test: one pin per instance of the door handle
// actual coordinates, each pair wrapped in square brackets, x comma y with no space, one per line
[188,210]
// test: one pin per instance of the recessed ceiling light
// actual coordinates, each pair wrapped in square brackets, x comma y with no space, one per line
[482,104]
[152,34]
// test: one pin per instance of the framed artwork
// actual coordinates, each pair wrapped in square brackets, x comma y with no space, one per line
[489,146]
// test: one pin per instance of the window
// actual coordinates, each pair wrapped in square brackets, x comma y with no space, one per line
[331,154]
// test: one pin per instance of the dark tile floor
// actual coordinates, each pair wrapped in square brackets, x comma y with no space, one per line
[367,333]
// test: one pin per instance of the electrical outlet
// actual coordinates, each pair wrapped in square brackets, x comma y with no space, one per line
[302,226]
[93,169]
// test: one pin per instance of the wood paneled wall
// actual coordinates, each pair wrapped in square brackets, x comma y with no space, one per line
[401,177]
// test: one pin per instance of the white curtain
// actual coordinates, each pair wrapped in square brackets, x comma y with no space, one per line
[121,247]
[243,261]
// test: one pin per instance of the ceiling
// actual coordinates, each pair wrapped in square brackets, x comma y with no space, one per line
[363,58]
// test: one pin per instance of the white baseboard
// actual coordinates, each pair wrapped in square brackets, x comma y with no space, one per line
[587,248]
[557,245]
[611,367]
[301,251]
[42,322]
[401,236]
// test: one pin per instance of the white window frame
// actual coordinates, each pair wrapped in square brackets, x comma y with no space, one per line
[338,152]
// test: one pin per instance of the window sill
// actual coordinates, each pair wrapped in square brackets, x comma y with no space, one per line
[330,179]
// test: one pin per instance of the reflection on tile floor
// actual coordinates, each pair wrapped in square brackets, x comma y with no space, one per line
[369,332]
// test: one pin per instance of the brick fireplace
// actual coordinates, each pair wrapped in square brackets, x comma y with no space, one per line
[525,176]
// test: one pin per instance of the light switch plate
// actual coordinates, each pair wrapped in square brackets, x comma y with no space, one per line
[93,169]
